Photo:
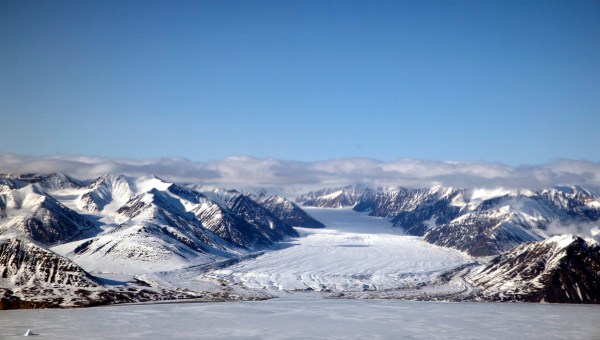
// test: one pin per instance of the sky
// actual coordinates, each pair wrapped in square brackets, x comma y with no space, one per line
[509,82]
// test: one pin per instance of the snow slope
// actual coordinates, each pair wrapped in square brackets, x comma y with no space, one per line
[30,212]
[355,252]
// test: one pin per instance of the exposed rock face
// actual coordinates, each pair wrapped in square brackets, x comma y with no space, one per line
[24,263]
[265,221]
[574,200]
[250,207]
[34,277]
[411,208]
[287,211]
[562,269]
[237,218]
[498,224]
[216,216]
[481,234]
[230,227]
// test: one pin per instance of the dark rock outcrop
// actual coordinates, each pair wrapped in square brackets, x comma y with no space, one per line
[562,269]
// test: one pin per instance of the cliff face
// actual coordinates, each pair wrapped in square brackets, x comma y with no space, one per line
[24,263]
[562,269]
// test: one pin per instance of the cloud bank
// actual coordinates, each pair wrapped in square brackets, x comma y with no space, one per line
[294,177]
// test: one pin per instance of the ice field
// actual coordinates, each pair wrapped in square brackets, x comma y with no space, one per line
[355,252]
[306,316]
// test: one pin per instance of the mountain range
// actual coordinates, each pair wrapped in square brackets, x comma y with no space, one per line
[58,233]
[477,221]
[123,224]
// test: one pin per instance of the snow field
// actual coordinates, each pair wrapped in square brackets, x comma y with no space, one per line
[309,317]
[355,252]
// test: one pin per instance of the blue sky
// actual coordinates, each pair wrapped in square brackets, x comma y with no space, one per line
[497,81]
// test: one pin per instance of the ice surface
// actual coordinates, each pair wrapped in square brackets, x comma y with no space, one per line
[355,252]
[308,317]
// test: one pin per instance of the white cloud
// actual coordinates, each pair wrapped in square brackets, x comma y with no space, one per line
[588,230]
[293,177]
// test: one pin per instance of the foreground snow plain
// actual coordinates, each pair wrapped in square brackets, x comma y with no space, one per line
[306,316]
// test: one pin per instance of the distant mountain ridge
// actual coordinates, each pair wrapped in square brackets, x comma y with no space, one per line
[475,221]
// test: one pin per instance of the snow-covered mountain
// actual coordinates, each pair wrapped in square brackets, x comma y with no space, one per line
[25,263]
[29,211]
[561,269]
[52,226]
[283,208]
[48,182]
[32,276]
[342,197]
[483,233]
[286,210]
[104,191]
[156,232]
[479,222]
[139,224]
[173,240]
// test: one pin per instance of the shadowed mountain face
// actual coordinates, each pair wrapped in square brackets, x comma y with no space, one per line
[24,263]
[562,269]
[287,211]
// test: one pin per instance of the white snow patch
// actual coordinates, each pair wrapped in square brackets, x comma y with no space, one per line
[562,241]
[145,184]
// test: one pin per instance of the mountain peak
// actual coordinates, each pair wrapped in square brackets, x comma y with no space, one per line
[564,269]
